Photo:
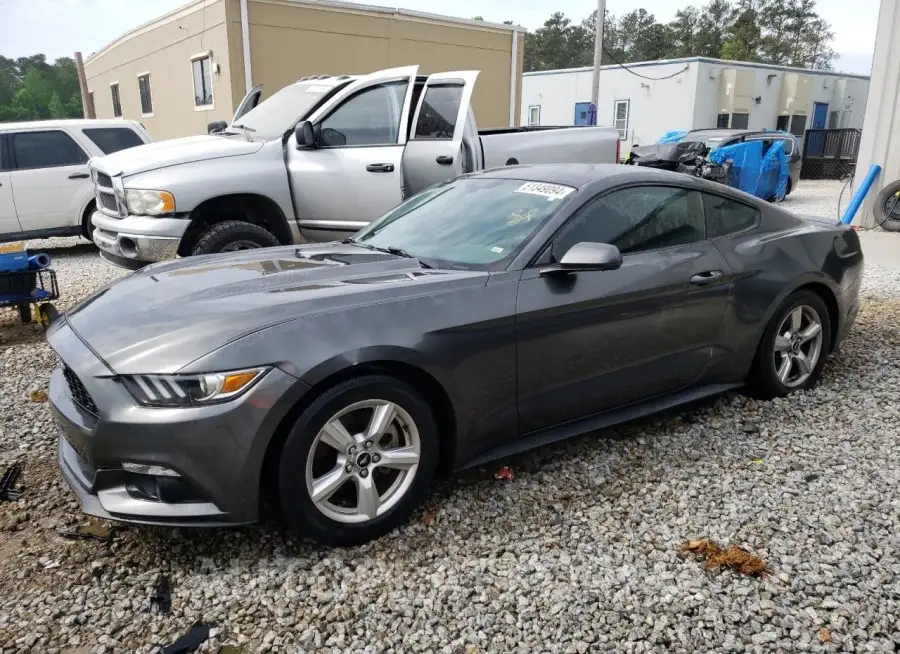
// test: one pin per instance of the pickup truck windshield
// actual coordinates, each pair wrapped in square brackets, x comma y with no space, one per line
[474,224]
[271,118]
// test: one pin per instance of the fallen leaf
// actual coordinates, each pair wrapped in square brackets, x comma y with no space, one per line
[38,396]
[733,557]
[824,635]
[429,517]
[757,461]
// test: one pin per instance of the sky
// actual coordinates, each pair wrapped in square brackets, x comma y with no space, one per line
[60,27]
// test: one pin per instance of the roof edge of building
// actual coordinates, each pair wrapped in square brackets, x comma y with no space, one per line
[707,60]
[196,5]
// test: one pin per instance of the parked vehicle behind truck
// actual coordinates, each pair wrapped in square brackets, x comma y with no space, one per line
[317,161]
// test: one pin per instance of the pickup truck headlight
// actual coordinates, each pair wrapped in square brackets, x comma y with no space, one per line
[149,203]
[191,390]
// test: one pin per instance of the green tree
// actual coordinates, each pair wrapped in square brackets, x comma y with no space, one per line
[31,88]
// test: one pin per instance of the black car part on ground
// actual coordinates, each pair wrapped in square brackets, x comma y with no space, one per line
[8,490]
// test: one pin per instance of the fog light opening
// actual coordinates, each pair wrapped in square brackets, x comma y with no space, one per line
[144,469]
[127,247]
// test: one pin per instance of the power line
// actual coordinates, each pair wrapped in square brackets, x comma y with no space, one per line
[652,79]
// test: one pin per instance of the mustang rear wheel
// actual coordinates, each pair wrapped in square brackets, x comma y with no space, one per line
[794,347]
[358,460]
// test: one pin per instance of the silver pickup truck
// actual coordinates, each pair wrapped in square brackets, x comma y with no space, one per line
[316,161]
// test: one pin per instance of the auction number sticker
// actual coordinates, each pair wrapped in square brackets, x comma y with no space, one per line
[549,191]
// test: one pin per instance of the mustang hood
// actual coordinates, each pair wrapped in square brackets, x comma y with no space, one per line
[173,152]
[165,316]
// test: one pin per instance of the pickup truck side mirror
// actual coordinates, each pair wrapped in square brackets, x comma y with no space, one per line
[216,126]
[305,135]
[586,256]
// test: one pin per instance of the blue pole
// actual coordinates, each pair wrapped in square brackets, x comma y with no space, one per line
[857,200]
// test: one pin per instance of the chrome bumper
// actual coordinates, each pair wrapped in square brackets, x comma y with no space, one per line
[135,241]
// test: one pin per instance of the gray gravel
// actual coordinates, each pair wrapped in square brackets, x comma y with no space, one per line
[577,554]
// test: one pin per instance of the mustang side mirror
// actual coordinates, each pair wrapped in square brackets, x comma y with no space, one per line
[586,256]
[216,126]
[306,137]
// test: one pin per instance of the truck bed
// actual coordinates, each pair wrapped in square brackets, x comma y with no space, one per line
[542,145]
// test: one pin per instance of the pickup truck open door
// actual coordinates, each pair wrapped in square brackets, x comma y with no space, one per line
[434,152]
[352,175]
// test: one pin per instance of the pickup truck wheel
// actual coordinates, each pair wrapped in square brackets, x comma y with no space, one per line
[232,236]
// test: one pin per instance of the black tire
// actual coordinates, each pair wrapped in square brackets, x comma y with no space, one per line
[25,313]
[882,218]
[47,315]
[233,235]
[763,381]
[87,228]
[297,505]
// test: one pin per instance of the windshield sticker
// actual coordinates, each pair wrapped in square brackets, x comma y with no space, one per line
[497,250]
[318,89]
[549,191]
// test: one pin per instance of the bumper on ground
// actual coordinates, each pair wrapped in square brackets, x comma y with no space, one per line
[213,454]
[136,241]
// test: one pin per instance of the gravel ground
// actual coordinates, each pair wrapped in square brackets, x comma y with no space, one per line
[578,553]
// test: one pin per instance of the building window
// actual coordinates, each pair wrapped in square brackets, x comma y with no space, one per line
[722,121]
[798,124]
[534,115]
[740,121]
[116,102]
[203,95]
[144,92]
[782,123]
[622,117]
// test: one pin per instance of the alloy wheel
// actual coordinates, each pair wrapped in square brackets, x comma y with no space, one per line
[798,346]
[363,461]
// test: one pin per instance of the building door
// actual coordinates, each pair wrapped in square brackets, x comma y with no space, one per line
[583,113]
[820,115]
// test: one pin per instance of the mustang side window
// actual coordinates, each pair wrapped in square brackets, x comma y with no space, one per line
[636,219]
[371,117]
[725,216]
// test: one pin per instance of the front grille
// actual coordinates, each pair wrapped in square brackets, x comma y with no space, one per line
[108,202]
[104,180]
[78,392]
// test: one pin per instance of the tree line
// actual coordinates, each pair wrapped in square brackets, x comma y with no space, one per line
[31,88]
[782,32]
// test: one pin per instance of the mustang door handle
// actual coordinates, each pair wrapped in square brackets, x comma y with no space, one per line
[707,277]
[79,176]
[444,160]
[380,168]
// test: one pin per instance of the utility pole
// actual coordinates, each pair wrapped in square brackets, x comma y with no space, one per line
[598,56]
[87,106]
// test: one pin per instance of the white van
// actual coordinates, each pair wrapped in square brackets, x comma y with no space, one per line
[45,183]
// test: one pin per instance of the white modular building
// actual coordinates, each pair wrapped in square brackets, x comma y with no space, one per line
[645,100]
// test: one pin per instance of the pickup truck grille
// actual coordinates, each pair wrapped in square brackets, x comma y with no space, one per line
[104,180]
[108,202]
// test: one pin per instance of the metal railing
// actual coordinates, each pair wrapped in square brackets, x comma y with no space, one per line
[830,153]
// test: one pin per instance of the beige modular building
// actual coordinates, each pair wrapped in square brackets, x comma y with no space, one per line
[194,65]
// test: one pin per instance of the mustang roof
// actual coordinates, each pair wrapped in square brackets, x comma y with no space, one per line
[578,175]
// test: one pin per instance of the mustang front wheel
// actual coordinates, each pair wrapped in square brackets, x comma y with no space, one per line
[358,461]
[794,347]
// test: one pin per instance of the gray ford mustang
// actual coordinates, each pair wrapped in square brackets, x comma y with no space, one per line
[493,313]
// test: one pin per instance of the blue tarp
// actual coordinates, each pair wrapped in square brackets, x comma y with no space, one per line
[673,137]
[762,175]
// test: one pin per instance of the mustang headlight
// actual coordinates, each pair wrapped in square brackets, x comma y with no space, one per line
[149,203]
[191,390]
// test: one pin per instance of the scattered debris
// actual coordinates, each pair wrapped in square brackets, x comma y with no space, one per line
[92,531]
[429,517]
[190,641]
[811,477]
[824,635]
[8,492]
[38,396]
[750,427]
[757,461]
[734,557]
[48,564]
[506,473]
[162,597]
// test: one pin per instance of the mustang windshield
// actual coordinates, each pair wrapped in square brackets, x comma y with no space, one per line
[475,223]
